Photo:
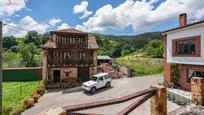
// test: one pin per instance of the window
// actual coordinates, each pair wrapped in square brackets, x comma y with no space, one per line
[189,46]
[70,40]
[185,47]
[81,55]
[106,76]
[73,41]
[101,78]
[67,55]
[194,73]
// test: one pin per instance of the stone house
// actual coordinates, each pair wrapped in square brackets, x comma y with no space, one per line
[184,46]
[69,53]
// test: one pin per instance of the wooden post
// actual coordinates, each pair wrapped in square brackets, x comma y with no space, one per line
[158,102]
[1,51]
[197,90]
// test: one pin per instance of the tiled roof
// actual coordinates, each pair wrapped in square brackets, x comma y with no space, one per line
[70,30]
[49,44]
[92,44]
[195,23]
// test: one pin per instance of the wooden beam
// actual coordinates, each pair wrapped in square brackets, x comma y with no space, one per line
[107,102]
[136,104]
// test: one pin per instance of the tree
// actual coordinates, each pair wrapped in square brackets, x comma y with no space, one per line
[28,52]
[11,59]
[45,37]
[9,41]
[155,48]
[33,37]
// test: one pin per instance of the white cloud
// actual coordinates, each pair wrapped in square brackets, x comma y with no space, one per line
[141,15]
[9,7]
[64,26]
[27,23]
[54,21]
[82,8]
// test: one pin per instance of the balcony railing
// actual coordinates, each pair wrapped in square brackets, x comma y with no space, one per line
[66,62]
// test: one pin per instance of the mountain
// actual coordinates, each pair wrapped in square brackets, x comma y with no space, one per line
[116,46]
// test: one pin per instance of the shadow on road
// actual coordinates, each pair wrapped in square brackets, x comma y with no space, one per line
[101,90]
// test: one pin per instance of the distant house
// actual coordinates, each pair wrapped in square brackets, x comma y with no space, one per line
[104,59]
[69,53]
[184,46]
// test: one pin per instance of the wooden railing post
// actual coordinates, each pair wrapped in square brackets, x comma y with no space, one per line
[197,90]
[158,102]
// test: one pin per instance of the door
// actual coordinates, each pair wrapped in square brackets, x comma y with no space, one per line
[83,73]
[101,82]
[56,76]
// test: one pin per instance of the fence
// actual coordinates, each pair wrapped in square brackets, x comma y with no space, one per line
[15,92]
[22,74]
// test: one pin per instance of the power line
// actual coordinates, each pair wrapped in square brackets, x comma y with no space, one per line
[5,24]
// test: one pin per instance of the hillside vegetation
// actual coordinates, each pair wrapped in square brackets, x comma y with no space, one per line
[27,52]
[116,46]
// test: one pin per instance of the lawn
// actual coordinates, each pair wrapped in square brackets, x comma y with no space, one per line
[142,66]
[15,92]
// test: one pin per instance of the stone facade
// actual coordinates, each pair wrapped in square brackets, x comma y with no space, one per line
[197,89]
[69,53]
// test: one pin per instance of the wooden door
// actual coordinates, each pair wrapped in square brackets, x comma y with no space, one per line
[56,76]
[83,73]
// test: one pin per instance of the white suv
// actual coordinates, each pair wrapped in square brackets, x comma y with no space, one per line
[97,81]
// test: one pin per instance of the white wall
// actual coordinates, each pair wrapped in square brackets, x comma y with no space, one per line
[186,33]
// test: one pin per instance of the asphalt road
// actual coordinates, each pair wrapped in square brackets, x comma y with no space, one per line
[120,87]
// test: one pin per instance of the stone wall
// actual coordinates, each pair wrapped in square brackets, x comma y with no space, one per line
[72,72]
[167,67]
[44,71]
[92,70]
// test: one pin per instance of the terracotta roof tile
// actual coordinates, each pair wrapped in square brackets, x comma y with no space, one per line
[92,44]
[70,30]
[195,23]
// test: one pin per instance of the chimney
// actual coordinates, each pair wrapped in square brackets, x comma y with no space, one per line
[182,20]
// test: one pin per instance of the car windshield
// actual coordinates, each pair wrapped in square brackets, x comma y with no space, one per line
[93,78]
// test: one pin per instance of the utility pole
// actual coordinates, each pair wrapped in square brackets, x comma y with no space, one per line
[1,52]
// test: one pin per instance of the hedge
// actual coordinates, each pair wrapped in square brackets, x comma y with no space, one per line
[22,74]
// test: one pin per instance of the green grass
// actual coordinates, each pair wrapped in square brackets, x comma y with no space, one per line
[15,92]
[142,66]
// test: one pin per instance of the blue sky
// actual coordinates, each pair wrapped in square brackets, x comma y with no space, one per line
[118,17]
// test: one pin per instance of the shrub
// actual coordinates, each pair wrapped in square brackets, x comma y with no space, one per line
[177,99]
[35,96]
[28,102]
[41,89]
[174,74]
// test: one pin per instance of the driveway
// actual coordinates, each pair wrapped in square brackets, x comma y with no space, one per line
[120,87]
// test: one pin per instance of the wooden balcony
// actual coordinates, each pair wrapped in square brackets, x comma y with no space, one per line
[60,63]
[67,45]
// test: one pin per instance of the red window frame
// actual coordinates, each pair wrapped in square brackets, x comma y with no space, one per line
[197,52]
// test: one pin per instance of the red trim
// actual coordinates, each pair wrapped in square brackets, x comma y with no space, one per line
[197,52]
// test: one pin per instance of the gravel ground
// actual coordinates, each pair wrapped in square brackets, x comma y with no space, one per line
[120,87]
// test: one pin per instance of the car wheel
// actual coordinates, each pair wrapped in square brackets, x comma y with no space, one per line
[108,84]
[93,90]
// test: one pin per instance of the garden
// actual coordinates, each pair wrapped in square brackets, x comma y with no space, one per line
[18,96]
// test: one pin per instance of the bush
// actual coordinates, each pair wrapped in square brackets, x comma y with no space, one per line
[28,102]
[35,96]
[41,89]
[178,99]
[174,74]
